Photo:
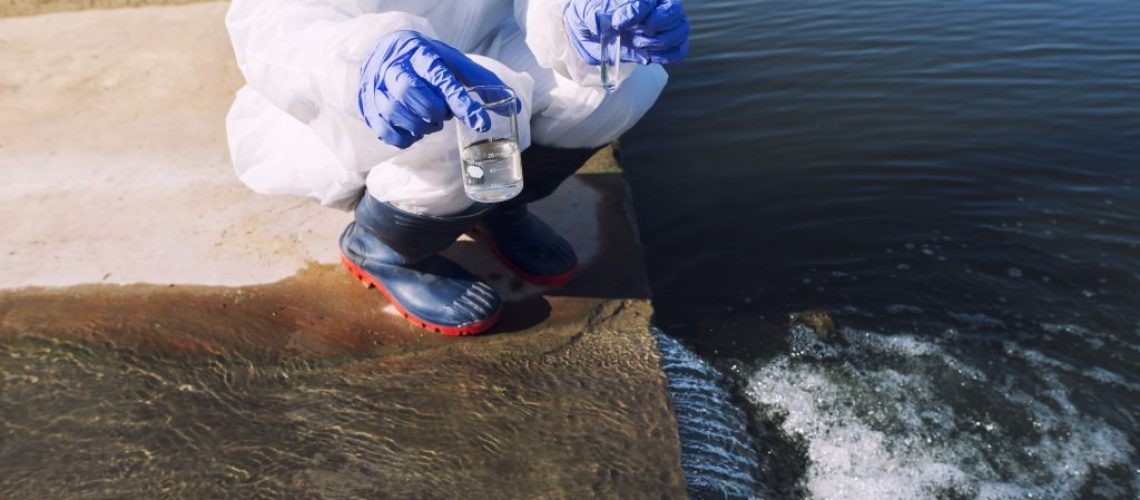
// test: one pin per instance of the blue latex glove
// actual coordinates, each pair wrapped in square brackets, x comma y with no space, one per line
[652,31]
[411,84]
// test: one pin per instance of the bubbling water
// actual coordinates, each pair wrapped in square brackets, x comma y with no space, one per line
[883,416]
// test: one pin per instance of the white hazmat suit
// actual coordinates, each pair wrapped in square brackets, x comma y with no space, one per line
[295,127]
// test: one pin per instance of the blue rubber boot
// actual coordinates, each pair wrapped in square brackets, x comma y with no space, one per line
[397,252]
[524,243]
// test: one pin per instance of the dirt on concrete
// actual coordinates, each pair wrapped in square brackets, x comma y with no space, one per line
[310,387]
[30,7]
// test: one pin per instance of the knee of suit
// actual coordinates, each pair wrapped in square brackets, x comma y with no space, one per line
[617,113]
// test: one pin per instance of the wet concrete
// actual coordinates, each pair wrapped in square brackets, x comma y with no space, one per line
[309,387]
[246,363]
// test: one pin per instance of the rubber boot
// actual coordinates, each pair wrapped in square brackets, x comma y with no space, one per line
[524,243]
[397,252]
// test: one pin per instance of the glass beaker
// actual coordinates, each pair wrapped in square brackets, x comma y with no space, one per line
[490,161]
[609,43]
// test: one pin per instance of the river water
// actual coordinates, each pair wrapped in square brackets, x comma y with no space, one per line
[956,183]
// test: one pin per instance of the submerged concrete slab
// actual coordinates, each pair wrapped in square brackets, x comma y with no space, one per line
[164,331]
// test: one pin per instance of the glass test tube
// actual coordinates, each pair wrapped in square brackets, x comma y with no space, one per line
[610,46]
[490,161]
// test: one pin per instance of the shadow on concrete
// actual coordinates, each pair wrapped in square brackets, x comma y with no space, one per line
[618,270]
[593,213]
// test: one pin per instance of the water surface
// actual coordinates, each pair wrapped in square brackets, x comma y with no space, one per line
[956,182]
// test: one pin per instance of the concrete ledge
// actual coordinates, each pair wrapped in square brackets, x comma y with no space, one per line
[163,331]
[31,7]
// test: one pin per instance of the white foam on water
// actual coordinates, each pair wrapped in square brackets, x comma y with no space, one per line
[1096,373]
[977,320]
[899,416]
[897,309]
[1093,339]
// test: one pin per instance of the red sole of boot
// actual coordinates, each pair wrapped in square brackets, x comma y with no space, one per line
[549,281]
[370,282]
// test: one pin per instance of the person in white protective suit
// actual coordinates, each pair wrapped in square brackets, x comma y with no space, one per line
[349,102]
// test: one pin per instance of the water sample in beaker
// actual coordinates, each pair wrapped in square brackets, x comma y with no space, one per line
[490,161]
[610,47]
[492,170]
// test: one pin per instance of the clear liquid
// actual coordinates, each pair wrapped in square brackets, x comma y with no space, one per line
[492,170]
[609,76]
[610,46]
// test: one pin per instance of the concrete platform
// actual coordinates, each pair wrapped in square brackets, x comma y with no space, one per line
[164,331]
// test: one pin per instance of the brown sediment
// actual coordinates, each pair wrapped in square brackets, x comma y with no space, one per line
[819,321]
[320,311]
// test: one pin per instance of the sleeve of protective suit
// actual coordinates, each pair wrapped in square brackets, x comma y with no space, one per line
[305,55]
[545,34]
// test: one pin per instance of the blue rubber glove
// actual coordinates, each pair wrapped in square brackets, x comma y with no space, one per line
[411,84]
[652,31]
